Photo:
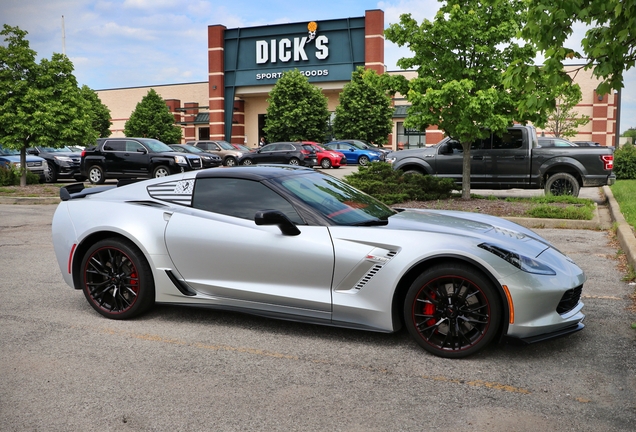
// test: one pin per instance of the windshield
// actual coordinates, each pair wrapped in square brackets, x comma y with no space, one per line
[192,148]
[56,150]
[336,200]
[156,145]
[8,152]
[225,145]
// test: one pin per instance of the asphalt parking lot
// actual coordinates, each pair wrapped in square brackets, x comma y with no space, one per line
[65,368]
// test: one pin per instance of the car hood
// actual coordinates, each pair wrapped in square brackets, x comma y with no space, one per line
[16,158]
[418,152]
[484,228]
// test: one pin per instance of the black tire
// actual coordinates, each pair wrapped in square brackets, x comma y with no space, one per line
[50,174]
[452,310]
[116,279]
[325,163]
[363,160]
[412,172]
[230,161]
[294,161]
[562,184]
[96,175]
[247,162]
[160,171]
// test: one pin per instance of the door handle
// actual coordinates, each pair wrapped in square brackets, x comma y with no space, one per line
[520,157]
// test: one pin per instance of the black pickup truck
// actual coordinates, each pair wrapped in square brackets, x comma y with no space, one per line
[514,160]
[114,158]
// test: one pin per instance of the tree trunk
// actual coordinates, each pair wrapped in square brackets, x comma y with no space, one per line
[466,171]
[23,167]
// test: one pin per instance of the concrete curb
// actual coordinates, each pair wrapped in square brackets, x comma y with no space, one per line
[624,231]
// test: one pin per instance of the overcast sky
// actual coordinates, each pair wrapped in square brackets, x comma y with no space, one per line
[129,43]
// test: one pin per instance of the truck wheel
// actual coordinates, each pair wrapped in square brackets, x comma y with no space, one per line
[160,171]
[562,184]
[96,174]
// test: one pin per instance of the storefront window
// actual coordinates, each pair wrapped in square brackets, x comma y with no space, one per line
[409,137]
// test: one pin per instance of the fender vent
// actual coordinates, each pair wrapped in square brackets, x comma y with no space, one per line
[380,257]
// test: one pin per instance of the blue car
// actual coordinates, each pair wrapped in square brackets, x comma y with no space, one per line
[355,154]
[11,158]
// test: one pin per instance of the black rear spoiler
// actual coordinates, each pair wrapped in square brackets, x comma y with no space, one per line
[78,190]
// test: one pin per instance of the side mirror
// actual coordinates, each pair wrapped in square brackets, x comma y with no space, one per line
[144,151]
[32,152]
[445,149]
[276,217]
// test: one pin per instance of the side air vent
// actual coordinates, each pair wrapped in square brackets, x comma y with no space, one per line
[182,286]
[569,300]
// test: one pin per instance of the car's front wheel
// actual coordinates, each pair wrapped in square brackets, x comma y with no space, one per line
[230,161]
[294,161]
[246,162]
[363,160]
[452,310]
[96,174]
[116,279]
[50,175]
[325,163]
[160,171]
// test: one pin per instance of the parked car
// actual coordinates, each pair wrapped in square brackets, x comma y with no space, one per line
[513,160]
[587,143]
[230,154]
[208,160]
[327,158]
[291,153]
[134,157]
[321,252]
[362,144]
[10,158]
[242,147]
[555,142]
[61,162]
[356,155]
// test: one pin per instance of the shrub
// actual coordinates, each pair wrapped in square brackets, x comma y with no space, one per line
[390,186]
[625,162]
[9,176]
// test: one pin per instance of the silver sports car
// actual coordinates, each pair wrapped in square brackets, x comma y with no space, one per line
[319,251]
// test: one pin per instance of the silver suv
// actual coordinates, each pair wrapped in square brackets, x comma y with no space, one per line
[224,149]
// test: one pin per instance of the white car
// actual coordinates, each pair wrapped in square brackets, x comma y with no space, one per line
[293,243]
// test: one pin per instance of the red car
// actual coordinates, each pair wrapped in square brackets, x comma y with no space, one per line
[327,158]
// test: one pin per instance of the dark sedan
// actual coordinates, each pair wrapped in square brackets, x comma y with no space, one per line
[209,160]
[291,153]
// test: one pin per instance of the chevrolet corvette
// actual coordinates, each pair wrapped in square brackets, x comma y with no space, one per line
[319,251]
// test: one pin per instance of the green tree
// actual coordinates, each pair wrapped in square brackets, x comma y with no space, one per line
[152,119]
[609,45]
[564,120]
[297,110]
[100,114]
[630,133]
[40,103]
[364,110]
[460,58]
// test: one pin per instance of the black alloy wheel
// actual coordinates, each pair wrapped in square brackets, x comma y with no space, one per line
[562,184]
[116,279]
[50,175]
[452,310]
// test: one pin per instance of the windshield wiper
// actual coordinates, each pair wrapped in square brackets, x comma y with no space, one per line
[371,222]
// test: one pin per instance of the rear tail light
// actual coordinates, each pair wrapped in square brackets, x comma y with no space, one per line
[83,153]
[608,162]
[305,152]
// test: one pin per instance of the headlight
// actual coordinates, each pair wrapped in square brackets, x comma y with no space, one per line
[63,158]
[391,159]
[522,262]
[180,160]
[206,157]
[239,154]
[17,165]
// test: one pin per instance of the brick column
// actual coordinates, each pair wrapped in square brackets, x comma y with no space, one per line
[374,40]
[216,81]
[238,122]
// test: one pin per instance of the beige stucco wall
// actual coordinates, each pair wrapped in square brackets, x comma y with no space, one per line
[122,101]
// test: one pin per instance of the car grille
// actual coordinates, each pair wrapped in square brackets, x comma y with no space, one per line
[34,164]
[195,163]
[569,300]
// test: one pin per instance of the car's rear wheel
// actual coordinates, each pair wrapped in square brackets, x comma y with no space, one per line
[562,184]
[50,175]
[96,175]
[230,161]
[452,310]
[247,162]
[363,160]
[161,171]
[325,163]
[294,161]
[116,279]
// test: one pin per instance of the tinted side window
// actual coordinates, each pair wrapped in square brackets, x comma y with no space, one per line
[115,145]
[239,198]
[513,139]
[133,146]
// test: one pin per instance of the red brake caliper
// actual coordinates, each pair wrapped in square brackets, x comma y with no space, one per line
[429,309]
